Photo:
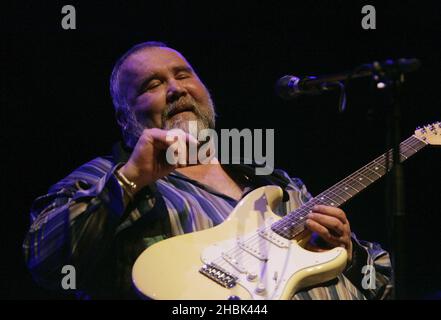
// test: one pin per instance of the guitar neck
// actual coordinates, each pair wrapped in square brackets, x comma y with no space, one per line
[294,223]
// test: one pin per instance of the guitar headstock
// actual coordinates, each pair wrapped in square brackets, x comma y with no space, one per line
[430,133]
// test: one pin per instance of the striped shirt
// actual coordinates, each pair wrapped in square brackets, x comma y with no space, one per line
[85,220]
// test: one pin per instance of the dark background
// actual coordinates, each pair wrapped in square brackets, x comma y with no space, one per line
[57,113]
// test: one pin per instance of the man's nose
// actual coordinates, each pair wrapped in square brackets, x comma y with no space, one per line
[175,90]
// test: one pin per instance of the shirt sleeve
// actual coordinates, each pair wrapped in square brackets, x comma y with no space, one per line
[75,222]
[370,270]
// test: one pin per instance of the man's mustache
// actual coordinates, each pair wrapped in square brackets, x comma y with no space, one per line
[178,107]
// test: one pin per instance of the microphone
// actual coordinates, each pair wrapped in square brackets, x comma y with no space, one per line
[289,86]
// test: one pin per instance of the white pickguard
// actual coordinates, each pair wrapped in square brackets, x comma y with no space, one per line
[265,264]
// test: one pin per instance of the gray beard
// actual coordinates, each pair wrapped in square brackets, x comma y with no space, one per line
[205,120]
[184,125]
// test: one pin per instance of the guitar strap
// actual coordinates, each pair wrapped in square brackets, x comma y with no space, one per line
[249,171]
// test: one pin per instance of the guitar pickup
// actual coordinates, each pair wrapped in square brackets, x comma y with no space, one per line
[234,262]
[273,237]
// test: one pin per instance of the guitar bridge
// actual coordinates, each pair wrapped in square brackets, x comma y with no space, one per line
[218,275]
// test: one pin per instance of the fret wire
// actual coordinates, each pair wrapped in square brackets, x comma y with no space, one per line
[323,196]
[356,191]
[368,174]
[353,182]
[292,219]
[408,145]
[378,163]
[295,217]
[300,212]
[339,192]
[348,183]
[375,172]
[412,141]
[415,144]
[358,181]
[375,160]
[335,192]
[379,169]
[365,176]
[368,168]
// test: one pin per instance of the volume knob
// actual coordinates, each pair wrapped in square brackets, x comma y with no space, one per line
[251,276]
[260,289]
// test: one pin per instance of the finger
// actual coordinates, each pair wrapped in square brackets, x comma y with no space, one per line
[159,138]
[322,232]
[165,138]
[172,155]
[192,149]
[182,153]
[331,211]
[329,222]
[191,139]
[181,134]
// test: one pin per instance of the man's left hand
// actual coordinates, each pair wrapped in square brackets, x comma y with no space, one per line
[332,226]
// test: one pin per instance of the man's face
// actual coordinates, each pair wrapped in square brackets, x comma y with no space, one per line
[164,91]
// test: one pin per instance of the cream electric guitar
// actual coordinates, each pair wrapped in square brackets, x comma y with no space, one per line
[255,254]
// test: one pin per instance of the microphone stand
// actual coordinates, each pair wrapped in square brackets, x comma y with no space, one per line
[395,188]
[389,77]
[391,80]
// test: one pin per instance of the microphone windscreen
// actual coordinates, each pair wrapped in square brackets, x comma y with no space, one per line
[283,88]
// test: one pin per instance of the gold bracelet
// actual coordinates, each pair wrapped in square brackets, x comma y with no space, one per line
[128,186]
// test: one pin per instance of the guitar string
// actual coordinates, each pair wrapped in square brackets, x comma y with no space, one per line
[335,191]
[405,147]
[366,169]
[411,143]
[254,239]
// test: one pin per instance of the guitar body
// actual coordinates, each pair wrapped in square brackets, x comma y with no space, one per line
[243,259]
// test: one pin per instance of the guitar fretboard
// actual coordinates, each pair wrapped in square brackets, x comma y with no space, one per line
[294,223]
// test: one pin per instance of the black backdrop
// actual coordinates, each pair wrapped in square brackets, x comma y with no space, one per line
[57,113]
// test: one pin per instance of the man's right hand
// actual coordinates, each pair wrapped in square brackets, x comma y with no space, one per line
[148,161]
